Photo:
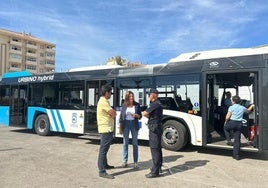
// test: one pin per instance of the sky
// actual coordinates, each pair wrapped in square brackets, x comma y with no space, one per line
[88,32]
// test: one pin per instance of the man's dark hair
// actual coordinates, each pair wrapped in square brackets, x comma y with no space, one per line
[105,88]
[236,99]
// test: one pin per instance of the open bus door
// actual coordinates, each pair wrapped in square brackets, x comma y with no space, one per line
[253,129]
[93,93]
[18,105]
[243,84]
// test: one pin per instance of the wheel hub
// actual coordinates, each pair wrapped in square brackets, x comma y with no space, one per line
[42,126]
[170,135]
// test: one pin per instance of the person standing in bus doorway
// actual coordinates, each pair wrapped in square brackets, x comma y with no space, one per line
[154,112]
[228,100]
[129,122]
[105,119]
[233,122]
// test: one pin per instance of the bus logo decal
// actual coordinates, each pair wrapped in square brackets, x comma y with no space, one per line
[74,117]
[36,78]
[214,64]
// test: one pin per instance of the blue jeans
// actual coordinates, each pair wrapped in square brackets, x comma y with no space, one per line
[105,142]
[129,126]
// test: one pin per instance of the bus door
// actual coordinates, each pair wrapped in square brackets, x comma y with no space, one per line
[93,93]
[243,84]
[18,105]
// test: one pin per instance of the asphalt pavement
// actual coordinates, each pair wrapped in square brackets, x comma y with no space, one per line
[65,160]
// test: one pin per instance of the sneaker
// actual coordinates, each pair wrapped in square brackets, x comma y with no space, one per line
[109,167]
[136,166]
[124,165]
[105,175]
[151,175]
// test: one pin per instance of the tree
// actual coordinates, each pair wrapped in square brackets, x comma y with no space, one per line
[118,60]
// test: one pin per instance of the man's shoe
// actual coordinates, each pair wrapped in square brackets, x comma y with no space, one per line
[160,170]
[236,157]
[229,143]
[150,175]
[105,175]
[109,167]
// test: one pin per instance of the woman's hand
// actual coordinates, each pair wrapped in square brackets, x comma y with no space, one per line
[145,114]
[135,116]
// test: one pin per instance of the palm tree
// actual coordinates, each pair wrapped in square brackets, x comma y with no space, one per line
[118,60]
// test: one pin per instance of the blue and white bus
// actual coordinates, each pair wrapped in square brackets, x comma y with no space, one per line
[192,89]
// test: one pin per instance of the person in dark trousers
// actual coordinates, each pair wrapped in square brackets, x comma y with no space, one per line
[129,122]
[105,119]
[233,122]
[154,112]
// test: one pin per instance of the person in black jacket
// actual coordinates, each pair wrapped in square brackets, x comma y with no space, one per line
[154,112]
[129,122]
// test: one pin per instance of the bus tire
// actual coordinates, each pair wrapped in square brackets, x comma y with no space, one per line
[42,125]
[174,136]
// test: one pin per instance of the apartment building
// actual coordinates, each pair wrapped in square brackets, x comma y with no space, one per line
[22,51]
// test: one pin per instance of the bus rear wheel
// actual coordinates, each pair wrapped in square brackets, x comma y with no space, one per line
[42,125]
[174,136]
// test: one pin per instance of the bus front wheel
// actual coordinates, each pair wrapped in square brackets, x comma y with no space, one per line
[42,125]
[174,136]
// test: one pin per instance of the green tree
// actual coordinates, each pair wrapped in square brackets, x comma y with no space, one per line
[118,60]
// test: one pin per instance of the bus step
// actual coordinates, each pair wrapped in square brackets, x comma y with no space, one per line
[91,136]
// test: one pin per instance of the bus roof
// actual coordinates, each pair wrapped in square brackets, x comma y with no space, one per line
[16,74]
[195,62]
[220,53]
[98,67]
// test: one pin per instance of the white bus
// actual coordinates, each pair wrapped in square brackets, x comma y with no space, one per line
[192,88]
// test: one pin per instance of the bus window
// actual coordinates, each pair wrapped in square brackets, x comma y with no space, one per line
[4,96]
[71,95]
[138,95]
[111,83]
[139,86]
[179,92]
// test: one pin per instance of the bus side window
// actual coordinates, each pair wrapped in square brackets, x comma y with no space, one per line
[168,103]
[178,99]
[76,101]
[185,105]
[46,101]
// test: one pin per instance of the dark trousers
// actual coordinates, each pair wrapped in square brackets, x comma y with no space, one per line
[105,142]
[156,151]
[236,127]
